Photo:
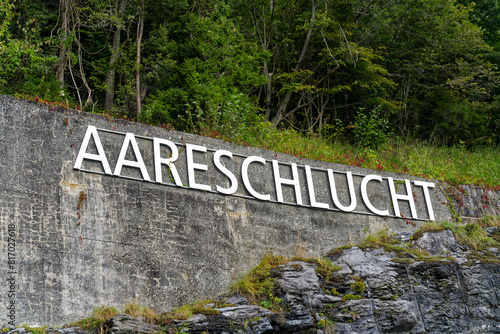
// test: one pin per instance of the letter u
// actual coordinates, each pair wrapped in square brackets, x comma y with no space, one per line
[333,191]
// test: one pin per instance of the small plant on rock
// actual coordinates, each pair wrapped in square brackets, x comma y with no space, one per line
[359,287]
[186,311]
[135,310]
[257,285]
[351,297]
[98,317]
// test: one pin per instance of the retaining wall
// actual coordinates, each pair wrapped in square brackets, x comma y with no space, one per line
[87,234]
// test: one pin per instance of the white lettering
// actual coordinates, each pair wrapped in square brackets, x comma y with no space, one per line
[231,186]
[246,181]
[234,183]
[130,139]
[408,197]
[100,156]
[352,194]
[157,142]
[426,186]
[365,197]
[279,181]
[191,166]
[310,187]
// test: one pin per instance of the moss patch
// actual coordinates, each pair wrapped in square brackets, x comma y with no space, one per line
[324,267]
[97,319]
[257,285]
[186,311]
[338,250]
[471,235]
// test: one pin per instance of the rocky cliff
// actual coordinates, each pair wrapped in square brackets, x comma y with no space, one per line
[433,284]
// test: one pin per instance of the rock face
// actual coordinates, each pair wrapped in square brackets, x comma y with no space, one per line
[458,296]
[124,323]
[373,293]
[474,202]
[438,243]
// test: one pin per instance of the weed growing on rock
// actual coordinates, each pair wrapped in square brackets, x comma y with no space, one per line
[427,227]
[97,319]
[405,260]
[405,253]
[338,250]
[271,303]
[435,259]
[135,310]
[471,235]
[489,221]
[359,287]
[186,311]
[36,330]
[257,284]
[104,312]
[351,297]
[381,238]
[326,325]
[324,266]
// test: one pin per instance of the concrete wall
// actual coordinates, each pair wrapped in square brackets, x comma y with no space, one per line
[86,239]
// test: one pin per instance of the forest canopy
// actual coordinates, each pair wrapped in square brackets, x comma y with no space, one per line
[427,69]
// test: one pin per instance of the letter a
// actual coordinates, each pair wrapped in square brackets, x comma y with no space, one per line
[130,140]
[100,156]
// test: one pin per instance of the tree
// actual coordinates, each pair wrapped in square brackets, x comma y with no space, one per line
[431,50]
[208,71]
[140,31]
[6,15]
[118,24]
[26,60]
[317,64]
[308,64]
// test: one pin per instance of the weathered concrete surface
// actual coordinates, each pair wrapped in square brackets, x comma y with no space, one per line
[475,202]
[162,245]
[454,295]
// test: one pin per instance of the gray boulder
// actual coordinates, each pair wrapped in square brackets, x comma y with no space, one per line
[439,243]
[123,324]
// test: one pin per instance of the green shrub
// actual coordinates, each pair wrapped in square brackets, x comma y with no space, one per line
[160,107]
[370,129]
[186,311]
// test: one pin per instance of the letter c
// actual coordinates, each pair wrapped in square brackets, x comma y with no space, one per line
[365,197]
[246,181]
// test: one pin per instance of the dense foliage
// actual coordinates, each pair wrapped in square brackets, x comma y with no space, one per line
[360,70]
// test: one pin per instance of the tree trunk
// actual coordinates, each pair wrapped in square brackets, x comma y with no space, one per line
[283,105]
[268,90]
[140,30]
[115,54]
[64,12]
